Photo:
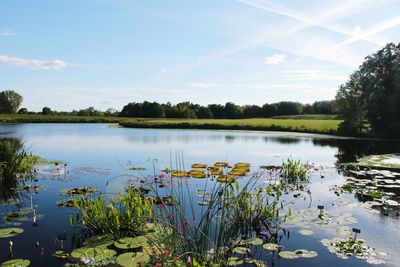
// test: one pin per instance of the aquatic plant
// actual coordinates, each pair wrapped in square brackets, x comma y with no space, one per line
[16,165]
[295,171]
[345,248]
[126,213]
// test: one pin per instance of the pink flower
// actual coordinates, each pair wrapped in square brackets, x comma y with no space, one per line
[165,252]
[189,261]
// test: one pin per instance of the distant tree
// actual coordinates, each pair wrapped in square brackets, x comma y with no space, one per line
[232,111]
[217,110]
[111,112]
[372,95]
[204,113]
[289,108]
[46,111]
[269,110]
[10,101]
[252,111]
[322,107]
[23,111]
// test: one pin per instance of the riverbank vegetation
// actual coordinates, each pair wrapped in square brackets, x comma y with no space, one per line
[293,125]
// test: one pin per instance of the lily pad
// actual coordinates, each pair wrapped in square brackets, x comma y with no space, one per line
[10,232]
[242,250]
[199,166]
[16,263]
[235,261]
[288,255]
[131,242]
[270,246]
[306,232]
[133,259]
[61,254]
[253,241]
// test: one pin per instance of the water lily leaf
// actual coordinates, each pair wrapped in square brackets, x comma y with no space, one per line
[288,255]
[270,246]
[257,263]
[101,241]
[199,166]
[61,254]
[253,241]
[242,165]
[303,253]
[131,242]
[220,164]
[10,232]
[133,259]
[83,252]
[104,253]
[16,263]
[306,232]
[234,261]
[242,250]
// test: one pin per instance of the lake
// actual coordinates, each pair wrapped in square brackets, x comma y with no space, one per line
[98,155]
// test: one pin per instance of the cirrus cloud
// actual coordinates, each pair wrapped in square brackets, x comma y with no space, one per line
[275,59]
[35,64]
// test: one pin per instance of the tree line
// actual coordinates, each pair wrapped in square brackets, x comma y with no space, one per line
[10,102]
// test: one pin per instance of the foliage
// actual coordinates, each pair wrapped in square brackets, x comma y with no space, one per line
[371,95]
[295,171]
[14,159]
[10,101]
[127,213]
[299,125]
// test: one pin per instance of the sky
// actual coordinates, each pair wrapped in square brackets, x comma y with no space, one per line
[72,54]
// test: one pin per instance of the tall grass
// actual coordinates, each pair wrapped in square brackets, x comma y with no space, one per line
[16,165]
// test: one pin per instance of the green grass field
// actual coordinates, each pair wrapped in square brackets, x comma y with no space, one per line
[14,118]
[296,125]
[305,124]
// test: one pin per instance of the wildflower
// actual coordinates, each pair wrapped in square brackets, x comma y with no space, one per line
[158,264]
[280,247]
[154,250]
[189,261]
[264,233]
[165,252]
[86,260]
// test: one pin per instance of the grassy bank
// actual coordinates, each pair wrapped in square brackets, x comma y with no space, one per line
[304,124]
[16,118]
[295,125]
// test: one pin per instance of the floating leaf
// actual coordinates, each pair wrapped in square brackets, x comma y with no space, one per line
[288,255]
[199,166]
[253,241]
[16,263]
[306,232]
[242,250]
[234,261]
[131,242]
[270,246]
[133,259]
[10,232]
[61,254]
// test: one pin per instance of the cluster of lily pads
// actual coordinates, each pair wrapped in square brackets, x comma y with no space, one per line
[347,247]
[377,188]
[222,171]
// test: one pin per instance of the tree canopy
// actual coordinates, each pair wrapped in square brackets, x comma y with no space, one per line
[10,101]
[371,97]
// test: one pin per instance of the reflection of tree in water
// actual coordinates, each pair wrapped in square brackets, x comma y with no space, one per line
[15,166]
[350,150]
[283,139]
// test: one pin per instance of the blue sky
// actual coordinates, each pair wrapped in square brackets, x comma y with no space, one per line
[72,54]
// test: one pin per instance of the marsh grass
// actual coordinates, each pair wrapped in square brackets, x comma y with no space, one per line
[16,166]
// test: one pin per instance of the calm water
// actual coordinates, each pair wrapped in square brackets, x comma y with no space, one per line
[97,154]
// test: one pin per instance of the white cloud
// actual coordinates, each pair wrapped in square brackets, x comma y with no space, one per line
[8,33]
[33,63]
[275,59]
[314,75]
[203,85]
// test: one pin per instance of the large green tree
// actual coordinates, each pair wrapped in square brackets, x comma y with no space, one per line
[10,101]
[372,95]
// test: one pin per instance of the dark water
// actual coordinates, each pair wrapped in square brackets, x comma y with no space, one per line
[97,154]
